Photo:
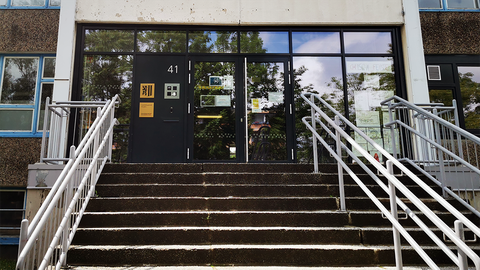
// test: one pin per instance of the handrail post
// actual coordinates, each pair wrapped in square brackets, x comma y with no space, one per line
[393,209]
[68,198]
[44,133]
[314,142]
[392,129]
[457,123]
[441,163]
[462,258]
[23,239]
[341,186]
[110,141]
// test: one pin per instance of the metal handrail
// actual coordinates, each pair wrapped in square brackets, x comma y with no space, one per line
[428,130]
[320,117]
[44,244]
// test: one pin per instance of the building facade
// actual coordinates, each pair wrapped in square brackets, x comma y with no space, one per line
[220,81]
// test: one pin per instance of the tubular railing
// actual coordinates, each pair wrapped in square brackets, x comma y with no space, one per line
[431,141]
[45,242]
[56,117]
[347,146]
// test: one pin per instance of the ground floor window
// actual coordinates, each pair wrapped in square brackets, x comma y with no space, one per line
[25,82]
[12,208]
[261,73]
[457,77]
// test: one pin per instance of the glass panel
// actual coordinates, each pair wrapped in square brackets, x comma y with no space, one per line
[19,81]
[47,91]
[368,42]
[370,81]
[264,42]
[16,120]
[212,42]
[104,76]
[11,200]
[109,40]
[266,111]
[320,75]
[162,41]
[430,3]
[3,2]
[461,4]
[444,96]
[28,2]
[49,67]
[316,42]
[470,91]
[55,2]
[214,111]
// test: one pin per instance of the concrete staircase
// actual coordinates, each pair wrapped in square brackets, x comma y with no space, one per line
[237,214]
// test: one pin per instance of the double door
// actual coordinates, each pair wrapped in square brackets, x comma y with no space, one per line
[212,109]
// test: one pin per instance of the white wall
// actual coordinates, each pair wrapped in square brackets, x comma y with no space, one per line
[242,12]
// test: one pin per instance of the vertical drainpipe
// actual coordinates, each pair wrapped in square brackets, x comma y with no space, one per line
[415,70]
[64,59]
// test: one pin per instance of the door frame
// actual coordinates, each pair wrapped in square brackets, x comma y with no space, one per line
[241,121]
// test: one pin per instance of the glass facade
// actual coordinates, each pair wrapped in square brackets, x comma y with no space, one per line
[353,69]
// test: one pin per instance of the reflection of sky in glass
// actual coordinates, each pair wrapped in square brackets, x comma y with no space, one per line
[367,42]
[275,42]
[429,3]
[461,4]
[474,70]
[320,71]
[3,2]
[28,2]
[316,42]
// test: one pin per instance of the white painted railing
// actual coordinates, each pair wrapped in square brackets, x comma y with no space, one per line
[432,142]
[347,146]
[44,243]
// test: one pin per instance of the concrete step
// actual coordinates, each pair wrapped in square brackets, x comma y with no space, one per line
[212,267]
[246,235]
[114,204]
[322,218]
[227,167]
[256,255]
[237,178]
[242,190]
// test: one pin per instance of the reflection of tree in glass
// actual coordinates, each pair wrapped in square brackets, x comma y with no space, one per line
[109,40]
[470,91]
[19,81]
[161,41]
[265,78]
[213,136]
[104,77]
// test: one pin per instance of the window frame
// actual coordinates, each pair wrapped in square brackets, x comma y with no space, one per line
[23,209]
[35,131]
[444,7]
[47,5]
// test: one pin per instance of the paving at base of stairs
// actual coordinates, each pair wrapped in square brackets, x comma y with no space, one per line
[248,268]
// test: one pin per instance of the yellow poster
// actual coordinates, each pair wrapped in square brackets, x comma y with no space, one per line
[256,105]
[146,109]
[147,90]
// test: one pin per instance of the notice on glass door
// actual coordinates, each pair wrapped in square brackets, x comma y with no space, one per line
[146,109]
[256,105]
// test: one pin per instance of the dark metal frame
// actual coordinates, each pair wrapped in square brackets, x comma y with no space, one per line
[396,55]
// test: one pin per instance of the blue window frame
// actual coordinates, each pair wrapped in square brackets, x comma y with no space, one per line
[449,5]
[25,82]
[30,4]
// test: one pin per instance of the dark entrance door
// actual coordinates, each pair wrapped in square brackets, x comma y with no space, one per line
[242,109]
[158,110]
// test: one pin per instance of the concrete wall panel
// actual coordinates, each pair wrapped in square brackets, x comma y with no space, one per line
[28,30]
[451,32]
[15,155]
[243,12]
